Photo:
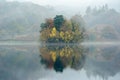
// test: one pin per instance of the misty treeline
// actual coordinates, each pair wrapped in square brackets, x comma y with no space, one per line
[98,24]
[96,10]
[20,21]
[26,25]
[60,29]
[102,23]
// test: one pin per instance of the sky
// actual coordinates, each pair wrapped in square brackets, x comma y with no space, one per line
[75,4]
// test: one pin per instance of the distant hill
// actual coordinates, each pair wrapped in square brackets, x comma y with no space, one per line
[104,23]
[21,19]
[103,32]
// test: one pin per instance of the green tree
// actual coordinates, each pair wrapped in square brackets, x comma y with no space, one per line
[43,25]
[58,21]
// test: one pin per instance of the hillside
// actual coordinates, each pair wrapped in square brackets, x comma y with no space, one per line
[103,24]
[21,19]
[103,32]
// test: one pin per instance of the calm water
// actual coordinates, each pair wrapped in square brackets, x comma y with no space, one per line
[53,62]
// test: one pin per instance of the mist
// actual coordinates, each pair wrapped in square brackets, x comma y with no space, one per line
[77,6]
[20,31]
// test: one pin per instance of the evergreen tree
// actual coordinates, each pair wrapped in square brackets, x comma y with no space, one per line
[58,21]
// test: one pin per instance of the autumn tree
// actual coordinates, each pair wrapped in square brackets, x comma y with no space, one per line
[78,28]
[49,23]
[62,30]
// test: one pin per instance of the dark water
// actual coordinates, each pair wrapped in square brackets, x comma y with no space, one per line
[93,62]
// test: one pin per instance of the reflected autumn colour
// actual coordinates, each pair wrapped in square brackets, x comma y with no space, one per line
[60,57]
[59,30]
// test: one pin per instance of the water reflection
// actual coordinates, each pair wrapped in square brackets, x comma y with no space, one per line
[60,57]
[103,61]
[96,61]
[60,62]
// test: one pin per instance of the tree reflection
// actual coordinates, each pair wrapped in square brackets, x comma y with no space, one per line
[103,61]
[60,57]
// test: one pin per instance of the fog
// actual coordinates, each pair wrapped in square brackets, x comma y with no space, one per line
[75,4]
[20,57]
[101,13]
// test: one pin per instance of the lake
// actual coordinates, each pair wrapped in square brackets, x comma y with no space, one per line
[31,61]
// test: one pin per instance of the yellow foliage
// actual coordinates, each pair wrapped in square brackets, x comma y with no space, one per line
[62,52]
[62,35]
[66,52]
[53,32]
[68,36]
[53,55]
